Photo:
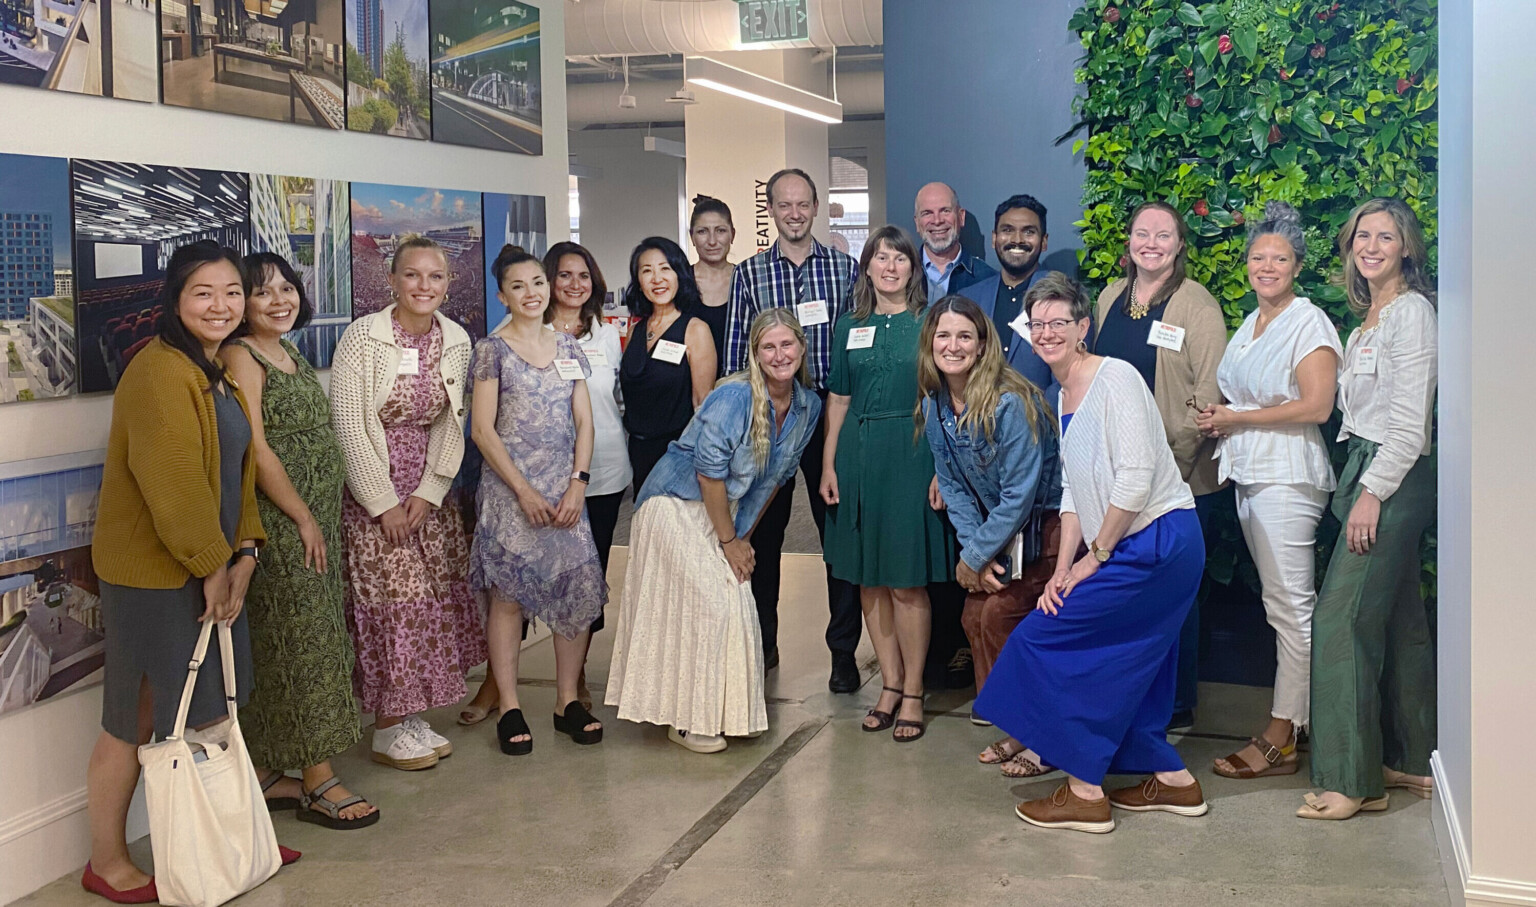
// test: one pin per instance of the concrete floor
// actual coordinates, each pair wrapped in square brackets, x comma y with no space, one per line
[817,812]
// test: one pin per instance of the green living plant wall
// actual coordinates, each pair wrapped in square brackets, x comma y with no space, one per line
[1217,107]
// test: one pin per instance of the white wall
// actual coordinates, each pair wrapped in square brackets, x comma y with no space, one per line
[1484,806]
[639,193]
[44,749]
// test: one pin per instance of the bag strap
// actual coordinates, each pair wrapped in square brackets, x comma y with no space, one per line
[199,654]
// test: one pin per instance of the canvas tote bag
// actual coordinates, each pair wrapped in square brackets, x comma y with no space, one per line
[209,828]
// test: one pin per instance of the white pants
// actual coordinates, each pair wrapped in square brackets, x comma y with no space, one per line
[1280,525]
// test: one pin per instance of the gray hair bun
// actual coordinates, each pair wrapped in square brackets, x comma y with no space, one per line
[1283,220]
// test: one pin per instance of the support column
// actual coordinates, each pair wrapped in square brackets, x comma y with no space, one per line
[735,145]
[1483,807]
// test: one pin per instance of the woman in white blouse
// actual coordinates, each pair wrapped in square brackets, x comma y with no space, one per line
[1089,680]
[1278,374]
[1373,659]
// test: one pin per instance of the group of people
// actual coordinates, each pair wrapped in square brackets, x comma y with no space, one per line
[959,428]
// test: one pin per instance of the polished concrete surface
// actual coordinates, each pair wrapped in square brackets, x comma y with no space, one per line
[817,812]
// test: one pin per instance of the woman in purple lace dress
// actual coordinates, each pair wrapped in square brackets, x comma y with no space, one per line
[533,548]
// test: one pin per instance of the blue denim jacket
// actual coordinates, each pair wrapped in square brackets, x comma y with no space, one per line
[717,444]
[1004,471]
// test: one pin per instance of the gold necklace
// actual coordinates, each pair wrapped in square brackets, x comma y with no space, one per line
[1136,310]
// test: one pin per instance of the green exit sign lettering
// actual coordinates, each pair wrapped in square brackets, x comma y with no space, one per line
[774,20]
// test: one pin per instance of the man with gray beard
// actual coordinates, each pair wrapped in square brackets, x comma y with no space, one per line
[946,266]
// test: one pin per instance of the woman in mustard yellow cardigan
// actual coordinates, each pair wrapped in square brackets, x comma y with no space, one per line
[176,542]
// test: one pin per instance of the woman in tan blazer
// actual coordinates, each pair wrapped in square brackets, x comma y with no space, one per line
[1172,330]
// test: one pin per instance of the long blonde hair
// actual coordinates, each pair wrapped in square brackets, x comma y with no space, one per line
[991,377]
[1415,254]
[864,296]
[762,420]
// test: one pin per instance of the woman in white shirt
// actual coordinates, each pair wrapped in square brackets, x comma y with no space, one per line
[1089,681]
[1373,659]
[1278,374]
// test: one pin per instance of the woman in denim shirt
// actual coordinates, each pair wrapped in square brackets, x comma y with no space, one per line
[995,454]
[688,652]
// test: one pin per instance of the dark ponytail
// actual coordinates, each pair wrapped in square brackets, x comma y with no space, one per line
[172,331]
[707,204]
[509,256]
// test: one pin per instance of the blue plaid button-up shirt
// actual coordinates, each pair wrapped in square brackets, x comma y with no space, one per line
[768,279]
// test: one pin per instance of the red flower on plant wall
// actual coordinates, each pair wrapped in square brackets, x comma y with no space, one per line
[1112,15]
[1201,209]
[1224,44]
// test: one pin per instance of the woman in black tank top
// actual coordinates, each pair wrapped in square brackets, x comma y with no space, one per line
[670,360]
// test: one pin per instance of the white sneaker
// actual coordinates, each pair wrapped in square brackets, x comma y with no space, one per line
[440,745]
[398,747]
[699,743]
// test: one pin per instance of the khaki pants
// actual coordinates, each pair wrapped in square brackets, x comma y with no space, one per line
[989,617]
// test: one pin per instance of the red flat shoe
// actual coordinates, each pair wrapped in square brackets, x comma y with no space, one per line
[95,884]
[289,855]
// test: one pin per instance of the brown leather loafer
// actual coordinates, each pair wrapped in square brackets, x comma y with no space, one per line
[1065,809]
[1151,796]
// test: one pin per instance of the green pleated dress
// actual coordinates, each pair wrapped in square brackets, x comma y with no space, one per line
[882,532]
[301,710]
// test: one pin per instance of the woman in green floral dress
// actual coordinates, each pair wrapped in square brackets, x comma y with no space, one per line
[301,711]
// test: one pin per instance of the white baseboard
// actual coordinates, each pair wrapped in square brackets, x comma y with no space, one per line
[26,823]
[1466,887]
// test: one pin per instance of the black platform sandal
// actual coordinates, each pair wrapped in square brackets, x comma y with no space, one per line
[574,723]
[509,725]
[275,804]
[884,719]
[331,817]
[903,723]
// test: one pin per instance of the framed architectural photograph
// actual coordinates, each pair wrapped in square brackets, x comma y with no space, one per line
[37,295]
[517,220]
[274,59]
[384,215]
[386,68]
[307,222]
[98,47]
[486,86]
[129,218]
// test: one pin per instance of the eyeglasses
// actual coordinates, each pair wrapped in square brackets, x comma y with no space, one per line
[1056,325]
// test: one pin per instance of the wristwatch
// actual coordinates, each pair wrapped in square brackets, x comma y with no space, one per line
[584,478]
[250,551]
[1101,555]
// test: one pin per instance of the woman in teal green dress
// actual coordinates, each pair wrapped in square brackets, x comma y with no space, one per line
[301,711]
[883,532]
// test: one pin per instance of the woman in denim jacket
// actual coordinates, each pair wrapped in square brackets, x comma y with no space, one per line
[995,455]
[688,652]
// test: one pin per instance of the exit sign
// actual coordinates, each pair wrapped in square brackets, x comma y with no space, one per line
[774,20]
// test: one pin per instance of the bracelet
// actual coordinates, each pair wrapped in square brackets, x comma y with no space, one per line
[729,540]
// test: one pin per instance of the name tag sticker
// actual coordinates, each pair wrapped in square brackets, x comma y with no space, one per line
[1365,360]
[669,351]
[410,362]
[595,356]
[569,369]
[861,338]
[812,313]
[1167,336]
[1020,326]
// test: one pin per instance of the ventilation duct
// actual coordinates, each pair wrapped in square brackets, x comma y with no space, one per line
[636,27]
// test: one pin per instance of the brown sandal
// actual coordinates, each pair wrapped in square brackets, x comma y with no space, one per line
[1281,760]
[883,720]
[1022,766]
[1000,751]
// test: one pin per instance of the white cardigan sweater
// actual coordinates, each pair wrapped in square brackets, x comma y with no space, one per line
[1116,453]
[363,371]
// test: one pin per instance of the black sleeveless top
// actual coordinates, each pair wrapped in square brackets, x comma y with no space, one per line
[714,316]
[658,396]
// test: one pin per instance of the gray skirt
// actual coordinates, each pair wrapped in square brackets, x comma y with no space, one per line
[150,635]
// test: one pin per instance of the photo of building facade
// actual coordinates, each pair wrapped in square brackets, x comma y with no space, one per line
[517,220]
[84,46]
[384,215]
[274,59]
[37,322]
[486,86]
[306,221]
[387,89]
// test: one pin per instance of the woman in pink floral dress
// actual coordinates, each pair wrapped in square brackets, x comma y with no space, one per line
[397,400]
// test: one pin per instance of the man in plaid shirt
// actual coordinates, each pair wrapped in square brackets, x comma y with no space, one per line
[816,281]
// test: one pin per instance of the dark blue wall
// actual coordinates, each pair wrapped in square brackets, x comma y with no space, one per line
[976,92]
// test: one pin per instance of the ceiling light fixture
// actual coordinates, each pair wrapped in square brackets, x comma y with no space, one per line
[750,86]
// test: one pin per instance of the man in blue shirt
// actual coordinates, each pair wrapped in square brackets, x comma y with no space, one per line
[946,266]
[817,282]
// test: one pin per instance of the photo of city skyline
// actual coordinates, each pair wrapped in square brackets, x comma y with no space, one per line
[307,222]
[388,90]
[383,215]
[517,220]
[60,45]
[129,218]
[273,59]
[37,304]
[486,82]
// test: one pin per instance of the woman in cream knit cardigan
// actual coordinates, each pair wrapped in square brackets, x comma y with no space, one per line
[397,403]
